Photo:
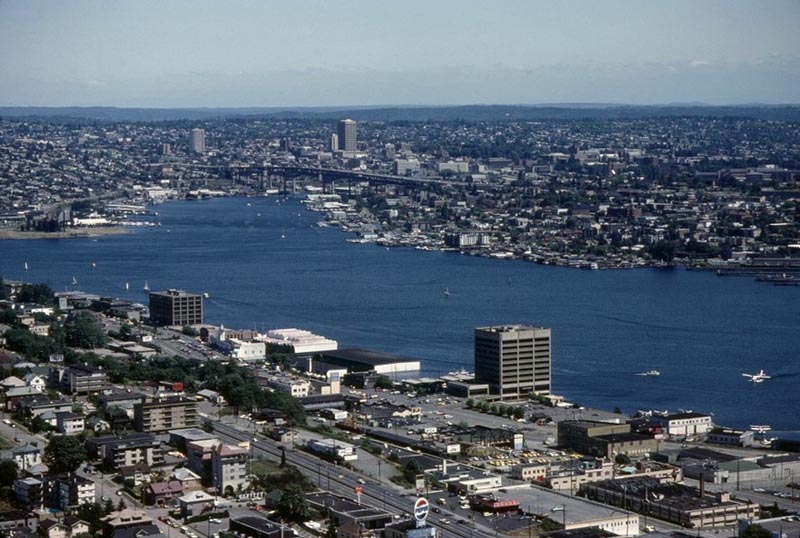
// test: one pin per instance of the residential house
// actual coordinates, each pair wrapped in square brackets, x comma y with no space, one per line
[138,473]
[161,493]
[36,381]
[195,503]
[14,522]
[190,481]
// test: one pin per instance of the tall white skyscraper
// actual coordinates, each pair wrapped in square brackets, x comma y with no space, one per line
[197,141]
[347,135]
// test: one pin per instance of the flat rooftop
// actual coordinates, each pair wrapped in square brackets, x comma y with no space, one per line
[510,328]
[575,509]
[364,356]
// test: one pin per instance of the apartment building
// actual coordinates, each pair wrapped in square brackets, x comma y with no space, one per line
[229,467]
[163,415]
[134,449]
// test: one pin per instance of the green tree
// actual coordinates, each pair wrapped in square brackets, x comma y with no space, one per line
[292,505]
[470,403]
[188,330]
[519,412]
[411,470]
[756,531]
[663,251]
[384,382]
[4,293]
[63,454]
[91,514]
[83,330]
[38,424]
[8,473]
[331,532]
[35,293]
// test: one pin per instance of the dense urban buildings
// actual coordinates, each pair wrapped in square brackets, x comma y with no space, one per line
[513,359]
[608,192]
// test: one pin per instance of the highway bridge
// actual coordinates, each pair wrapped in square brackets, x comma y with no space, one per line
[326,176]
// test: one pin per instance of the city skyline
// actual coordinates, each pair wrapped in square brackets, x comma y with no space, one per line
[357,53]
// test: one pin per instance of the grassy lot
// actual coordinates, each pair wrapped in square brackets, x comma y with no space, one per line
[6,443]
[264,467]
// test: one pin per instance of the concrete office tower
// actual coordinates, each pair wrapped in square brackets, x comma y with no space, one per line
[334,142]
[347,135]
[175,308]
[197,141]
[513,359]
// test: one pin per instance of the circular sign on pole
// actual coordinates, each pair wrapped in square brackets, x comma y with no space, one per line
[421,509]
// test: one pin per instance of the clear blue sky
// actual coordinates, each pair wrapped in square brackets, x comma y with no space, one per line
[227,53]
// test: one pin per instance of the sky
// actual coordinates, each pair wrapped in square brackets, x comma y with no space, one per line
[247,53]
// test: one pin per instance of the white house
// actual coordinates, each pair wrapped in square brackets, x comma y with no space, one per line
[36,381]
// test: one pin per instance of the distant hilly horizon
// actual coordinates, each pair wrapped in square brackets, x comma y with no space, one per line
[475,112]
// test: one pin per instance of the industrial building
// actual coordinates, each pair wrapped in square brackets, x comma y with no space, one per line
[673,502]
[514,360]
[363,360]
[602,439]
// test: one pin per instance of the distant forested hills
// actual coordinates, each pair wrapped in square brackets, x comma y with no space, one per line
[409,113]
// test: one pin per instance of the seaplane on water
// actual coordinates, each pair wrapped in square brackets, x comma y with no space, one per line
[760,377]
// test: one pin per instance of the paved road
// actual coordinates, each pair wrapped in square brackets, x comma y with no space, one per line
[343,481]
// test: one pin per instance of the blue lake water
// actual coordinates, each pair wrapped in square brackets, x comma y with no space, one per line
[701,331]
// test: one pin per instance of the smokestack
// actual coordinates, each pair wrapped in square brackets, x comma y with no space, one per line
[702,484]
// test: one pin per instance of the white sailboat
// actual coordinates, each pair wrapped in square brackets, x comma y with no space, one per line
[26,266]
[127,286]
[146,286]
[283,233]
[446,292]
[74,280]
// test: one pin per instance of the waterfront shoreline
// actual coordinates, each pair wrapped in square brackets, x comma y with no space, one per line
[81,233]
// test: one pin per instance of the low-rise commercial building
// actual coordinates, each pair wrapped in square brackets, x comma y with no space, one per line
[604,440]
[684,424]
[333,446]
